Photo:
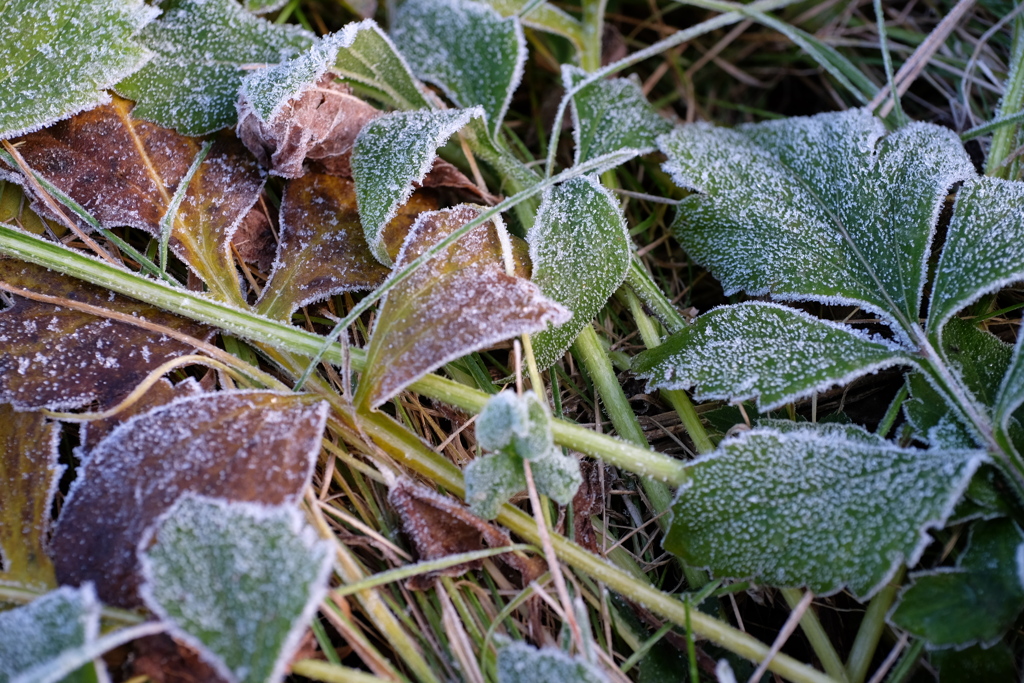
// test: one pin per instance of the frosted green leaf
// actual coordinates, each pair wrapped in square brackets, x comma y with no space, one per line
[544,17]
[521,663]
[974,602]
[264,6]
[517,424]
[984,251]
[765,351]
[33,636]
[390,154]
[1011,389]
[467,49]
[370,59]
[238,582]
[611,115]
[930,418]
[814,507]
[557,475]
[825,208]
[580,251]
[58,58]
[203,48]
[491,480]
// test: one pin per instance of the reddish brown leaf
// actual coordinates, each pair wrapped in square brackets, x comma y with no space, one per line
[254,239]
[321,125]
[439,526]
[246,445]
[28,479]
[588,501]
[60,358]
[395,232]
[458,302]
[125,172]
[161,393]
[444,174]
[163,659]
[322,250]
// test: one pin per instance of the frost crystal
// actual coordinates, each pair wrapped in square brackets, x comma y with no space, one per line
[521,663]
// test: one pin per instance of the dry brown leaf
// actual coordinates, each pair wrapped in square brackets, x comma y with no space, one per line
[589,500]
[254,239]
[255,446]
[161,393]
[60,358]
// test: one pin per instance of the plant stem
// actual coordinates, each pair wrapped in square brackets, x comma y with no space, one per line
[651,295]
[332,673]
[1004,140]
[593,28]
[816,635]
[871,629]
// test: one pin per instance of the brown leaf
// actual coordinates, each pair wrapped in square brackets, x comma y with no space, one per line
[458,302]
[125,172]
[161,393]
[254,239]
[439,526]
[321,125]
[163,659]
[322,250]
[444,174]
[588,501]
[60,358]
[395,232]
[244,445]
[28,479]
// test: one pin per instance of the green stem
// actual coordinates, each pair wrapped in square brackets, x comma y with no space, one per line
[248,325]
[820,642]
[1005,138]
[870,631]
[332,673]
[907,663]
[593,28]
[651,295]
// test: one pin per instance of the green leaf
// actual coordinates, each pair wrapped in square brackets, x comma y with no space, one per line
[975,602]
[29,474]
[984,251]
[979,358]
[930,417]
[264,6]
[59,57]
[823,506]
[370,59]
[827,208]
[580,251]
[33,636]
[202,48]
[611,115]
[467,49]
[491,480]
[238,582]
[390,154]
[522,663]
[543,17]
[773,353]
[975,664]
[515,424]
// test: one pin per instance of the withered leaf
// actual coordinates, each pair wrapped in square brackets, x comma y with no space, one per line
[28,479]
[125,172]
[321,124]
[257,446]
[322,249]
[15,210]
[458,302]
[439,526]
[60,358]
[254,239]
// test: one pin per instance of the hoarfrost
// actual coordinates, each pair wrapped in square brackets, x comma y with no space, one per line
[491,480]
[467,49]
[242,445]
[521,424]
[237,581]
[202,48]
[370,58]
[264,6]
[811,506]
[522,663]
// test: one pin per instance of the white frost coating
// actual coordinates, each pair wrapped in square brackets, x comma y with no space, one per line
[580,251]
[723,672]
[1011,390]
[206,552]
[826,208]
[466,48]
[370,57]
[58,58]
[522,663]
[34,635]
[390,154]
[765,351]
[812,506]
[264,6]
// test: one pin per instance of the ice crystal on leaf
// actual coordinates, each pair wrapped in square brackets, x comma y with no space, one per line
[57,58]
[521,663]
[370,58]
[474,54]
[202,48]
[237,581]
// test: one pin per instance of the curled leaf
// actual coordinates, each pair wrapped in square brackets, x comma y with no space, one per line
[458,302]
[246,445]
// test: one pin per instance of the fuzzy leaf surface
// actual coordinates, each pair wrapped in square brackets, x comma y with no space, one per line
[391,153]
[544,17]
[322,250]
[34,635]
[370,59]
[59,358]
[823,507]
[201,48]
[974,602]
[825,208]
[773,353]
[29,474]
[611,115]
[238,581]
[458,302]
[161,393]
[517,424]
[521,663]
[58,58]
[580,251]
[491,480]
[474,54]
[125,171]
[255,446]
